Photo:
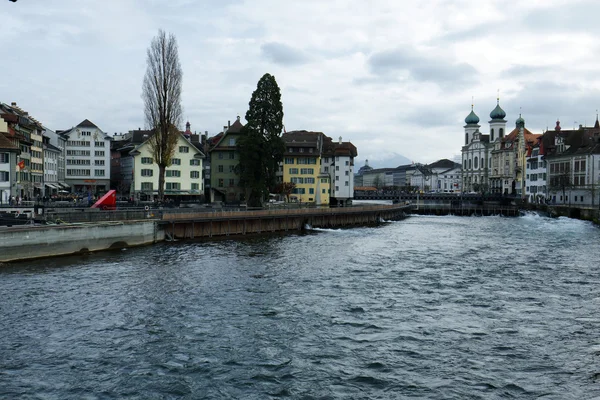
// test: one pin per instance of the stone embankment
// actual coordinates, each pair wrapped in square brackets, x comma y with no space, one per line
[108,232]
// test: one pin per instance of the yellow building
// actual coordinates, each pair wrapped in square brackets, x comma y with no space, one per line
[302,166]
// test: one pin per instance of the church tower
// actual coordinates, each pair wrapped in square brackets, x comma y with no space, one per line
[497,122]
[472,126]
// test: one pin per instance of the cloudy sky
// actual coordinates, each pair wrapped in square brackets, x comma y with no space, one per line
[393,77]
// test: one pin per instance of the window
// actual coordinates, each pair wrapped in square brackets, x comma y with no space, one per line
[99,172]
[293,171]
[231,182]
[322,190]
[301,149]
[4,159]
[347,162]
[99,144]
[195,162]
[98,162]
[99,153]
[220,168]
[307,171]
[3,176]
[221,182]
[173,173]
[232,141]
[195,186]
[231,168]
[475,162]
[147,186]
[146,160]
[220,156]
[85,153]
[78,172]
[232,156]
[79,162]
[347,183]
[323,180]
[176,161]
[347,173]
[173,186]
[309,180]
[184,149]
[147,172]
[311,191]
[337,188]
[289,160]
[337,167]
[194,174]
[326,169]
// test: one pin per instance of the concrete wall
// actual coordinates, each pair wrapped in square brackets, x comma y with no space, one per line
[26,242]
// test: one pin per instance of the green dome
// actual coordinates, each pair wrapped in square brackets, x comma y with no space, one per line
[520,122]
[498,112]
[472,118]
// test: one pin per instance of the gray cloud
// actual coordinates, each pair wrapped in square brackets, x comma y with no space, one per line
[283,54]
[520,70]
[542,102]
[421,68]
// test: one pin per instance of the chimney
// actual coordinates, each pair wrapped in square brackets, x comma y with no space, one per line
[229,124]
[238,117]
[139,129]
[340,142]
[224,128]
[13,104]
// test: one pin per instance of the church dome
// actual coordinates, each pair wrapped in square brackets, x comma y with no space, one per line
[497,113]
[520,122]
[472,118]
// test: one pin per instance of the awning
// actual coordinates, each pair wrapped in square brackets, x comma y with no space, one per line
[52,185]
[64,185]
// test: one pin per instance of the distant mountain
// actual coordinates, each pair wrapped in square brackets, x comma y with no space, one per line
[392,160]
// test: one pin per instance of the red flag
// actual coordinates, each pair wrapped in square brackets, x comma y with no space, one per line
[21,164]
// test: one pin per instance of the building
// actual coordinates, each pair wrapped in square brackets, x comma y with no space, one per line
[573,165]
[87,159]
[476,151]
[224,158]
[8,165]
[305,166]
[183,178]
[59,142]
[442,176]
[509,156]
[341,170]
[535,174]
[51,162]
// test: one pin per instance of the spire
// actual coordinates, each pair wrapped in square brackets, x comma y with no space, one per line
[597,124]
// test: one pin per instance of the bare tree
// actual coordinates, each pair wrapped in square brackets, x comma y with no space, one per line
[162,101]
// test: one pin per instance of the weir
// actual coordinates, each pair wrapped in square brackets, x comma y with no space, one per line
[188,225]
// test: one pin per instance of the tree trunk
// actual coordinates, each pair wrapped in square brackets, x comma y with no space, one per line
[161,183]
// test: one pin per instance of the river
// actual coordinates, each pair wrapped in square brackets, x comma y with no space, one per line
[428,308]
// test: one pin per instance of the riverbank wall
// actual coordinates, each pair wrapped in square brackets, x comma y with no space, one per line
[36,241]
[31,241]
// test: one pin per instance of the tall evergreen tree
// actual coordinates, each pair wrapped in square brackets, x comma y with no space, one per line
[261,147]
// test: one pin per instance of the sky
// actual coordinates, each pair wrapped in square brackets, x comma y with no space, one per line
[393,77]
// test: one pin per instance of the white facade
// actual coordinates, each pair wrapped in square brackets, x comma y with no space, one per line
[87,159]
[8,161]
[184,177]
[574,180]
[60,143]
[342,177]
[51,170]
[535,178]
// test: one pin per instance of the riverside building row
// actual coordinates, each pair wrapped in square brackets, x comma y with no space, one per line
[557,166]
[36,162]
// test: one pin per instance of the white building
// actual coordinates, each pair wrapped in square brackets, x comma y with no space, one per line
[8,161]
[51,160]
[87,158]
[442,176]
[59,142]
[535,176]
[341,171]
[183,179]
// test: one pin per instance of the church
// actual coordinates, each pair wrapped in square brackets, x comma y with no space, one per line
[477,151]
